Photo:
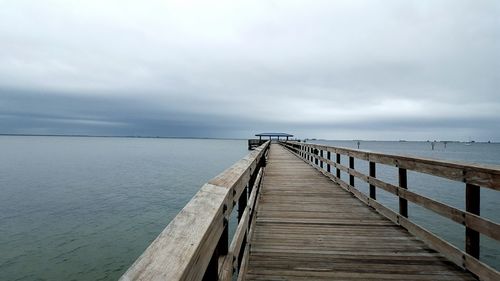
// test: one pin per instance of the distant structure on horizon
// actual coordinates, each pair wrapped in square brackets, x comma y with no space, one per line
[253,143]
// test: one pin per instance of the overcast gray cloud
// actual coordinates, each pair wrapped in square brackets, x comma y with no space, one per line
[326,69]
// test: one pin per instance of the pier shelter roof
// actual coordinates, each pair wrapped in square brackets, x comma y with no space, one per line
[273,135]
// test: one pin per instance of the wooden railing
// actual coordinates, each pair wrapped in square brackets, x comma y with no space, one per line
[474,177]
[195,245]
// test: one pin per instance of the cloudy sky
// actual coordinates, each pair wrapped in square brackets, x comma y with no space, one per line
[326,69]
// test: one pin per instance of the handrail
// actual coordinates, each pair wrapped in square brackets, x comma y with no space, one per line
[473,175]
[195,244]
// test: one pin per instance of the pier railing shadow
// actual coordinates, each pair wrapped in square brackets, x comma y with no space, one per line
[195,245]
[327,159]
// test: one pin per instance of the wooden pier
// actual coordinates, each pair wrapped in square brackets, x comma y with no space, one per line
[299,220]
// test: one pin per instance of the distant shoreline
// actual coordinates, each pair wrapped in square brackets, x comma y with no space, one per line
[214,138]
[104,136]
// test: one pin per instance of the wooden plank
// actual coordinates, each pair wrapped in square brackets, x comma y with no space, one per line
[403,183]
[472,221]
[372,171]
[226,271]
[328,157]
[242,202]
[472,203]
[451,252]
[244,265]
[182,239]
[237,176]
[351,166]
[308,227]
[230,262]
[337,164]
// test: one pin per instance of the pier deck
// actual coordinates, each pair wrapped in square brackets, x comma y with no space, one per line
[300,216]
[309,228]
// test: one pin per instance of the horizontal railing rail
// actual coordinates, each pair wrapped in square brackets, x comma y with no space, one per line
[195,244]
[473,175]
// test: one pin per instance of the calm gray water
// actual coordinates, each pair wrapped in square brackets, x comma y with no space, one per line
[86,208]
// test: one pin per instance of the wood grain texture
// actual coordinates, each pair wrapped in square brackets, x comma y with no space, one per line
[470,220]
[230,263]
[177,253]
[451,252]
[309,228]
[185,247]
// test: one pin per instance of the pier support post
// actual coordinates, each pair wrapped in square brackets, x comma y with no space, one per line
[242,203]
[351,166]
[373,173]
[337,160]
[223,245]
[403,183]
[212,272]
[222,248]
[472,205]
[328,156]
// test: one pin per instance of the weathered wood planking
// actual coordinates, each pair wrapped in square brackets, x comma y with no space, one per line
[185,247]
[230,262]
[470,218]
[475,222]
[309,228]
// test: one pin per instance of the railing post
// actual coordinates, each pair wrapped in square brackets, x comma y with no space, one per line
[351,166]
[240,256]
[337,160]
[328,156]
[223,245]
[321,161]
[251,181]
[373,173]
[242,203]
[212,272]
[315,157]
[472,205]
[403,183]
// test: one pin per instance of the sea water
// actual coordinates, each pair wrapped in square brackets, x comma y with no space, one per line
[85,208]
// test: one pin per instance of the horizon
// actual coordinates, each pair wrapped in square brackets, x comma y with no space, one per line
[236,138]
[382,70]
